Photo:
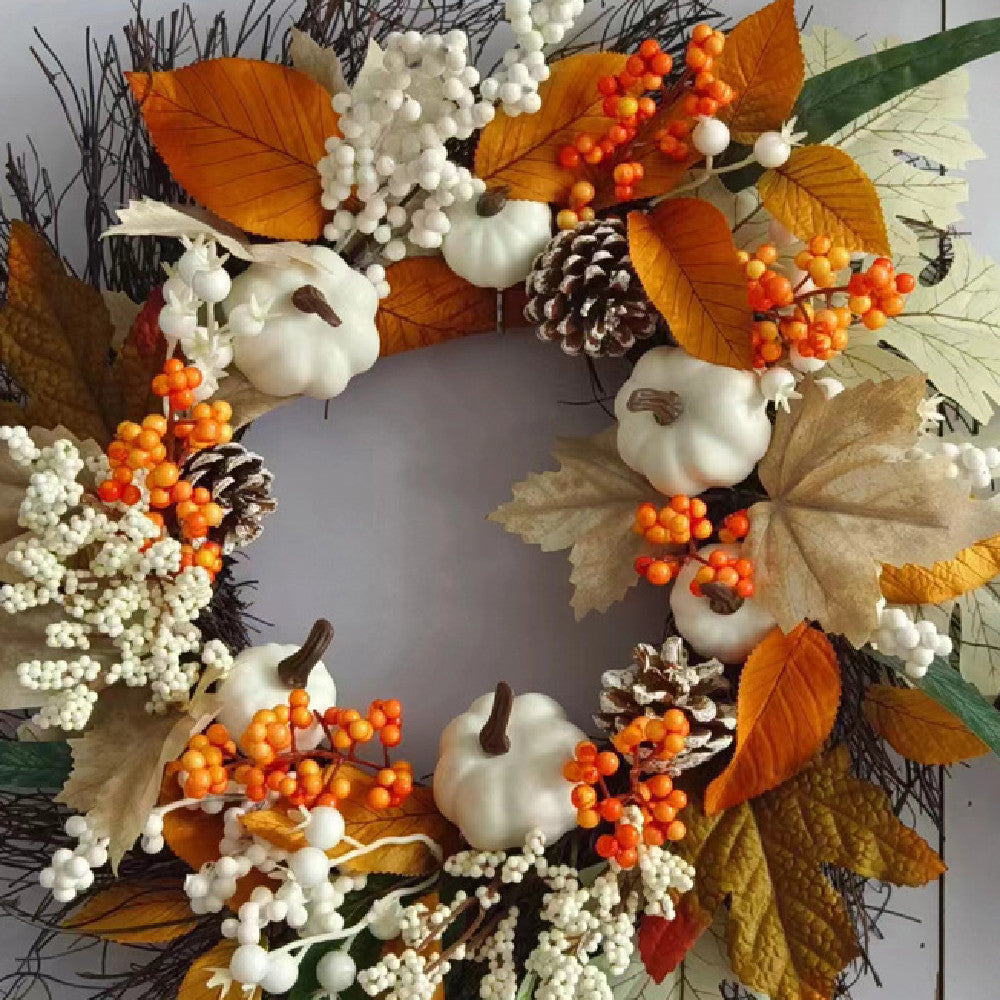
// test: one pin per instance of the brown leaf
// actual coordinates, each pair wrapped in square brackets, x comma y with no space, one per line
[135,913]
[843,502]
[684,255]
[276,827]
[971,568]
[248,402]
[919,728]
[586,507]
[664,943]
[208,978]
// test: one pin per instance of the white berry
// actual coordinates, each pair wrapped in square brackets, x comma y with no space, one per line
[710,136]
[771,150]
[325,829]
[336,971]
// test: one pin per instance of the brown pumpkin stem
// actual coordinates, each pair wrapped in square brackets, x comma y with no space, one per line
[722,600]
[491,202]
[294,669]
[665,405]
[309,299]
[493,736]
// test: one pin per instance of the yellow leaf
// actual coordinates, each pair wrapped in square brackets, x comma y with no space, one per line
[821,190]
[520,153]
[243,138]
[919,728]
[971,568]
[276,827]
[135,913]
[763,61]
[684,255]
[207,977]
[788,933]
[788,697]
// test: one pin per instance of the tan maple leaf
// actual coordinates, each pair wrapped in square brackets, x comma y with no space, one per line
[788,933]
[587,507]
[843,501]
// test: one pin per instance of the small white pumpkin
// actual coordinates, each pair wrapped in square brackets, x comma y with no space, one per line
[688,425]
[262,676]
[726,636]
[493,242]
[499,770]
[319,330]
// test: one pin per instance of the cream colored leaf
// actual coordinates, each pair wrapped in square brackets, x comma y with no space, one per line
[864,360]
[979,650]
[843,501]
[746,217]
[825,48]
[322,64]
[587,507]
[22,637]
[123,312]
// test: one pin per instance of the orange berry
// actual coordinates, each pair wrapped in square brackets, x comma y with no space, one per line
[874,319]
[376,717]
[583,796]
[301,718]
[606,846]
[571,771]
[663,812]
[392,708]
[585,751]
[675,831]
[164,475]
[278,735]
[659,573]
[390,736]
[718,558]
[386,777]
[727,576]
[656,730]
[705,574]
[361,730]
[661,785]
[379,798]
[674,719]
[645,515]
[588,818]
[341,741]
[627,857]
[340,787]
[673,743]
[610,809]
[678,799]
[567,219]
[193,760]
[607,763]
[657,535]
[745,588]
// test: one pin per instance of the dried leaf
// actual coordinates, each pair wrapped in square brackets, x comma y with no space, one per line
[586,507]
[664,943]
[322,64]
[971,568]
[843,502]
[763,61]
[521,152]
[209,978]
[248,402]
[822,190]
[789,934]
[135,913]
[979,650]
[122,311]
[919,728]
[243,138]
[788,697]
[684,255]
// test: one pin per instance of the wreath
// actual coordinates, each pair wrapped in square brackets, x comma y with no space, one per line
[761,223]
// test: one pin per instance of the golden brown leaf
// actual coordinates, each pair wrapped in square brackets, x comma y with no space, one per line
[135,913]
[919,728]
[276,827]
[843,502]
[763,61]
[520,153]
[788,932]
[208,977]
[821,190]
[248,402]
[243,138]
[788,697]
[684,255]
[971,568]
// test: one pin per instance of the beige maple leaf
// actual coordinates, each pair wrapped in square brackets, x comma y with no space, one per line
[587,507]
[843,500]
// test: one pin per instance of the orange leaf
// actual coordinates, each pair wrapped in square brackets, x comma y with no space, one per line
[763,61]
[521,152]
[203,972]
[135,913]
[971,568]
[243,138]
[787,703]
[664,943]
[821,190]
[919,728]
[276,827]
[684,255]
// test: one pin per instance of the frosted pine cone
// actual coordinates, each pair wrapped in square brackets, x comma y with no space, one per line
[584,293]
[658,681]
[240,484]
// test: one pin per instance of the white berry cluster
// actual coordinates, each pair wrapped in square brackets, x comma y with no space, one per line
[916,643]
[72,870]
[981,466]
[128,613]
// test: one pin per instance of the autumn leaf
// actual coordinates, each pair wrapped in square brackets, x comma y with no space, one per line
[319,62]
[786,707]
[664,943]
[789,933]
[520,153]
[919,728]
[843,501]
[135,913]
[276,827]
[820,189]
[586,507]
[971,568]
[243,138]
[209,978]
[684,255]
[248,402]
[763,62]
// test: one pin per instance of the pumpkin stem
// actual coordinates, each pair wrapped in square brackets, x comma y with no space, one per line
[309,299]
[294,669]
[665,405]
[493,736]
[722,600]
[491,202]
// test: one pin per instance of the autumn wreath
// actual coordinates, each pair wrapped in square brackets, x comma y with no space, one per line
[761,224]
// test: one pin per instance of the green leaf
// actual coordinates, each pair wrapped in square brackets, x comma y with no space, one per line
[947,687]
[33,765]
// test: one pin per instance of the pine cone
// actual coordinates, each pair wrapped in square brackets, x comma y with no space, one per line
[584,293]
[240,484]
[659,681]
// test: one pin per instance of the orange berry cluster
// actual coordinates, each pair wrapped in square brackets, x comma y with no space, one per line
[383,718]
[135,447]
[177,383]
[666,736]
[735,527]
[682,520]
[204,761]
[822,259]
[730,571]
[879,293]
[768,289]
[708,94]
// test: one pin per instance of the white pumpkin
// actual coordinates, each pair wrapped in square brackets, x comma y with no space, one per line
[496,796]
[688,425]
[492,241]
[726,637]
[262,676]
[319,330]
